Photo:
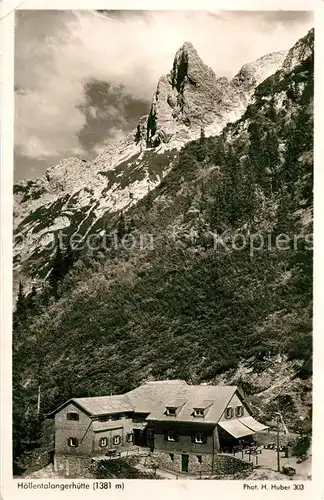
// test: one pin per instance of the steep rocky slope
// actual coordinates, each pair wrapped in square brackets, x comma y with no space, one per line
[75,194]
[187,304]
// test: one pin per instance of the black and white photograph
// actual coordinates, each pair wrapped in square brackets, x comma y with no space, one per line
[162,255]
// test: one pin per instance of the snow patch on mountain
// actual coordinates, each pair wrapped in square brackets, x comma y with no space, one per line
[75,194]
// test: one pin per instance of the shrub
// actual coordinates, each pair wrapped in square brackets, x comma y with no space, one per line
[301,446]
[119,468]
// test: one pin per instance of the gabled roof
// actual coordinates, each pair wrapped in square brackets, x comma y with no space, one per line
[176,381]
[104,404]
[99,405]
[153,398]
[152,395]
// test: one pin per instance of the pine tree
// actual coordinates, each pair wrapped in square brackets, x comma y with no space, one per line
[299,141]
[255,150]
[132,224]
[30,299]
[121,226]
[20,314]
[69,258]
[21,302]
[233,179]
[57,272]
[271,160]
[271,112]
[202,148]
[248,189]
[218,154]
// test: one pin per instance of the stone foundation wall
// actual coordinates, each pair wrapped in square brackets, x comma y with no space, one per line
[229,465]
[223,464]
[72,466]
[172,462]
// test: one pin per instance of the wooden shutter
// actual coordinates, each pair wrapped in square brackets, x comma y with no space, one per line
[204,438]
[176,436]
[165,435]
[193,437]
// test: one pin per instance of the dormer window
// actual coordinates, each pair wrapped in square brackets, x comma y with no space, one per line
[202,408]
[229,412]
[239,411]
[172,408]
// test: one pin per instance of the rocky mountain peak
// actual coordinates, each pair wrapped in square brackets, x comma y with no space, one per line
[191,97]
[302,49]
[188,67]
[187,47]
[186,99]
[253,73]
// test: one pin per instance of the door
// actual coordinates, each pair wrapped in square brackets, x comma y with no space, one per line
[150,438]
[137,437]
[184,463]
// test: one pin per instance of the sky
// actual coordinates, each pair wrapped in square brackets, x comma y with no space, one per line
[84,78]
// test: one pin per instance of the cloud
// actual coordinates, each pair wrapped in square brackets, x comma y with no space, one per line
[59,53]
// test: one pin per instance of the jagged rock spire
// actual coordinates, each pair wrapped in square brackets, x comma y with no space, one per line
[191,97]
[187,99]
[187,66]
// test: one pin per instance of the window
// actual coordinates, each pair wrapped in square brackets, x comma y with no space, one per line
[73,442]
[199,437]
[171,455]
[171,411]
[171,436]
[72,416]
[129,437]
[239,411]
[229,412]
[116,440]
[199,458]
[199,413]
[103,442]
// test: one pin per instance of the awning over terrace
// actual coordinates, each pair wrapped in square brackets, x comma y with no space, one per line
[240,427]
[253,424]
[236,428]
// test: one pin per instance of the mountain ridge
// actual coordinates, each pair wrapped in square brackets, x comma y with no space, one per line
[85,184]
